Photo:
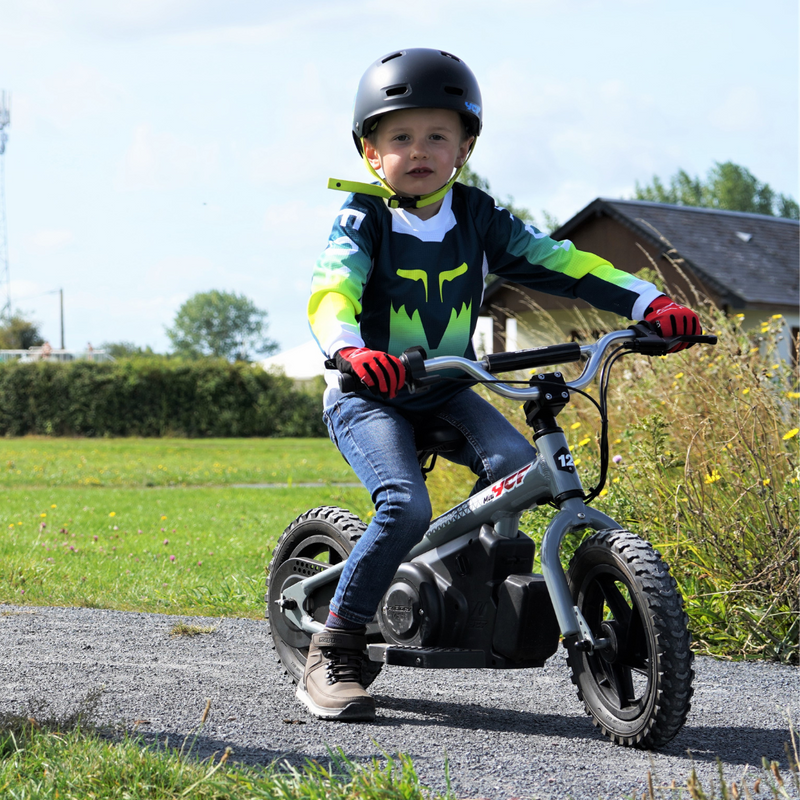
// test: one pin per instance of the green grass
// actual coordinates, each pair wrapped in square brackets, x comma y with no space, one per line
[40,461]
[78,528]
[48,761]
[159,525]
[197,551]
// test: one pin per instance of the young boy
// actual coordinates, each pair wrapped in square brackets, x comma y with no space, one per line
[405,265]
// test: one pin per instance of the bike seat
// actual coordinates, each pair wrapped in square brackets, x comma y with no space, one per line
[437,436]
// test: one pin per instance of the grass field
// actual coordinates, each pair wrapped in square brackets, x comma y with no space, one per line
[86,463]
[157,525]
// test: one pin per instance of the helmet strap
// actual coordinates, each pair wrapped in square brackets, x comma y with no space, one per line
[387,192]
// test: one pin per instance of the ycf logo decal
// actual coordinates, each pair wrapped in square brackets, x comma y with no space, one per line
[501,487]
[564,460]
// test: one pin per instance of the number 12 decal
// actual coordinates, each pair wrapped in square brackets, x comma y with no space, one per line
[564,460]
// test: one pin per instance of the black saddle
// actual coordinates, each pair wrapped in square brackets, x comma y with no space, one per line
[434,437]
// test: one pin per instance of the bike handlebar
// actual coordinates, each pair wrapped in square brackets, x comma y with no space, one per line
[421,372]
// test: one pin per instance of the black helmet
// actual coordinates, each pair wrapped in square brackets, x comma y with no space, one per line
[417,78]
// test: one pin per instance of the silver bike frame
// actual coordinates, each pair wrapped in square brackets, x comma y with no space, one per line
[501,504]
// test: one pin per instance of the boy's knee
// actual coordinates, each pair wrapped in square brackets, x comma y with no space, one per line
[407,504]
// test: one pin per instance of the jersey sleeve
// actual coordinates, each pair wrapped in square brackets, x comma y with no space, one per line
[527,256]
[340,274]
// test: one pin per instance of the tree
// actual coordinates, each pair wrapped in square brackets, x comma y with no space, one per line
[119,350]
[19,333]
[220,324]
[727,186]
[471,178]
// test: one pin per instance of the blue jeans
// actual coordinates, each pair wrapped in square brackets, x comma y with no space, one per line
[378,443]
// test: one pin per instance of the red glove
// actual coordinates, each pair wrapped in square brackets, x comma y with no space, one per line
[670,319]
[383,374]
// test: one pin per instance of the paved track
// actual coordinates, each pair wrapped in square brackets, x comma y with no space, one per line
[505,734]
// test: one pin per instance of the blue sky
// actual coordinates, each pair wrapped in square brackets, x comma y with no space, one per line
[160,148]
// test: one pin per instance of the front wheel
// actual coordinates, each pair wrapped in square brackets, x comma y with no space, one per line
[637,685]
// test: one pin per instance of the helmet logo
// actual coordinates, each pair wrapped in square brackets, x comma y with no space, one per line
[473,107]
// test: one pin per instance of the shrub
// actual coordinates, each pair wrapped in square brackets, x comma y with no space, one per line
[706,444]
[153,397]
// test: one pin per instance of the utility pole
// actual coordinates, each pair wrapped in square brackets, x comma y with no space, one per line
[5,277]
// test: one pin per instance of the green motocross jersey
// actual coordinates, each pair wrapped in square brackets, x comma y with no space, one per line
[389,280]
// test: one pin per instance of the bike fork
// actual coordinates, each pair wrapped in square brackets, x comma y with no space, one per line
[573,516]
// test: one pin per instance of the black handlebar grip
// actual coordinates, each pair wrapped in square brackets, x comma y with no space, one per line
[349,383]
[535,357]
[704,339]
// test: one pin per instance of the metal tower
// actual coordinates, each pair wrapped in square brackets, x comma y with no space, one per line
[5,277]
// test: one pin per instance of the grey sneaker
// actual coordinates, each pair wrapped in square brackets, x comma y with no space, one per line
[331,686]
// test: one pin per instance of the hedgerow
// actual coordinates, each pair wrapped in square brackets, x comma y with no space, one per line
[153,397]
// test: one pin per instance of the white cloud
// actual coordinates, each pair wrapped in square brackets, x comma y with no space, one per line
[180,274]
[298,221]
[163,161]
[47,241]
[77,90]
[739,112]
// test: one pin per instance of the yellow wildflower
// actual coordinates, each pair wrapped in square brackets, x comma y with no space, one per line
[679,375]
[574,426]
[788,435]
[44,515]
[112,513]
[713,477]
[53,506]
[746,390]
[582,442]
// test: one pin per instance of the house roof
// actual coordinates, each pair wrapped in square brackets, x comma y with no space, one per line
[752,258]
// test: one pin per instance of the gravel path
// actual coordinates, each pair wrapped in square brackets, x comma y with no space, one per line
[505,734]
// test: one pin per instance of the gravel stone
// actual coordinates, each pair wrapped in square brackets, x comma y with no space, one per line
[503,734]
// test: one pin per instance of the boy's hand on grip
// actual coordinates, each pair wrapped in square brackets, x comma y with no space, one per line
[670,319]
[381,373]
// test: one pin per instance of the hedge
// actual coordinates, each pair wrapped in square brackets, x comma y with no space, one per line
[139,397]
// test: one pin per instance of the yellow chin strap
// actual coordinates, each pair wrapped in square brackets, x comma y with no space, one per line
[385,190]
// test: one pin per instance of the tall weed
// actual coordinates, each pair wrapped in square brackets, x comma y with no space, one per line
[708,471]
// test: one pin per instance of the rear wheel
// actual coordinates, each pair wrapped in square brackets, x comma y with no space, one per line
[637,685]
[316,540]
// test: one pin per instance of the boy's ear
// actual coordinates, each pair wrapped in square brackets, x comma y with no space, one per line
[463,151]
[371,154]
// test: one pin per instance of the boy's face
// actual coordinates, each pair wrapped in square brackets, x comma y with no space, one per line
[418,149]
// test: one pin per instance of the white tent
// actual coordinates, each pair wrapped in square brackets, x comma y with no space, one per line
[301,363]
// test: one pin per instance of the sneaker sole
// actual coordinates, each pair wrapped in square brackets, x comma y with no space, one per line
[353,712]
